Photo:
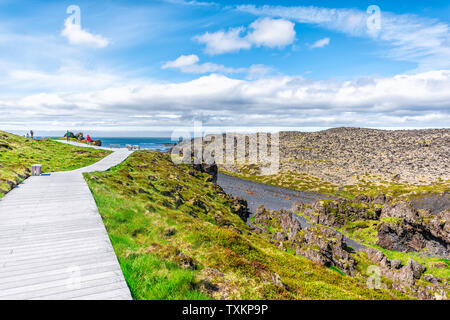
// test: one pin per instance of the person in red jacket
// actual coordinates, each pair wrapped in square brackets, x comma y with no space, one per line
[88,139]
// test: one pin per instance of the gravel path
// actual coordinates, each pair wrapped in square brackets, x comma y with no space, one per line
[273,198]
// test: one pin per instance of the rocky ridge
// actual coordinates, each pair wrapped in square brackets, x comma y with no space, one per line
[344,156]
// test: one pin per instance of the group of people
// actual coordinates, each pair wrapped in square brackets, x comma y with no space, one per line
[88,138]
[31,134]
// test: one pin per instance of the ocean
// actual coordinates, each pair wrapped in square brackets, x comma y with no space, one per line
[159,144]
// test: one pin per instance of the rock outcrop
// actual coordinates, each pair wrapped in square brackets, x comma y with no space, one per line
[319,244]
[210,169]
[337,212]
[240,207]
[409,278]
[327,247]
[403,228]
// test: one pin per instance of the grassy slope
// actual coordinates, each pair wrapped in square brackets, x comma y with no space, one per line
[177,237]
[17,154]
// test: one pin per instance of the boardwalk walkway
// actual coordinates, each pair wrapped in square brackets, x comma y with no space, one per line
[53,244]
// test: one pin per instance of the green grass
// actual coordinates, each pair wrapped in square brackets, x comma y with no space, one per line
[337,270]
[17,154]
[177,237]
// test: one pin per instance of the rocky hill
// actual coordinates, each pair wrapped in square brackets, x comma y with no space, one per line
[341,155]
[351,161]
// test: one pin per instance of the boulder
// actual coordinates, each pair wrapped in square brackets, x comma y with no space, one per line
[240,207]
[210,169]
[79,136]
[404,229]
[396,264]
[336,212]
[290,225]
[400,210]
[327,247]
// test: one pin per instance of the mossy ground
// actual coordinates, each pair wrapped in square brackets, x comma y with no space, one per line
[17,154]
[177,237]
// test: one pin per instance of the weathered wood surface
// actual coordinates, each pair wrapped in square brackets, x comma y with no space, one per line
[53,243]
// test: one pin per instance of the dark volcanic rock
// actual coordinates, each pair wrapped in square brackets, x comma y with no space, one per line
[404,277]
[327,247]
[335,213]
[434,203]
[239,206]
[319,244]
[404,229]
[210,169]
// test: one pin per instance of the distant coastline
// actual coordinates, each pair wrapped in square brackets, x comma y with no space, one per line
[150,143]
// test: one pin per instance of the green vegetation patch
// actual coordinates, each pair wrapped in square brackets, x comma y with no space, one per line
[17,154]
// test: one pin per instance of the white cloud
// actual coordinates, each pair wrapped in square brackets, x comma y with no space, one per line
[224,41]
[404,100]
[77,36]
[263,32]
[320,43]
[189,64]
[271,33]
[182,62]
[412,38]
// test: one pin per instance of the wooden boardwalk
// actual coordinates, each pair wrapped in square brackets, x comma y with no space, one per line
[53,244]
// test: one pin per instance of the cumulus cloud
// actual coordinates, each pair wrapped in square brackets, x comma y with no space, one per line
[77,36]
[262,32]
[271,33]
[224,41]
[189,64]
[422,99]
[320,43]
[412,38]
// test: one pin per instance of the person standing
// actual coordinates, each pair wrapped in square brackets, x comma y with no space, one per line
[89,140]
[32,134]
[67,135]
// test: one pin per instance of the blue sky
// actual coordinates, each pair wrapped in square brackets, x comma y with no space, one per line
[154,65]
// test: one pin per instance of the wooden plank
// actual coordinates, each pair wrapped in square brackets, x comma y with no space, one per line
[50,230]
